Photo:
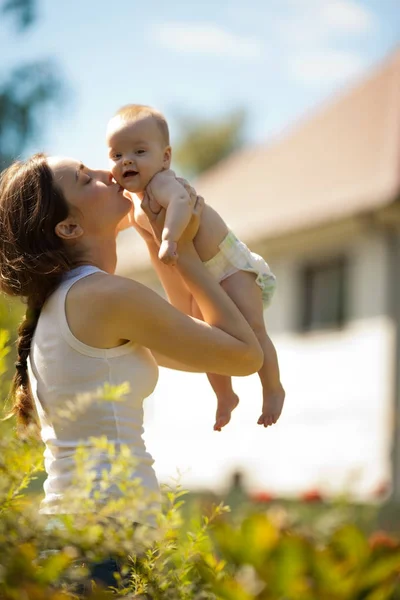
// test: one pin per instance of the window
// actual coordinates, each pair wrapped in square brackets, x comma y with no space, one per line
[324,293]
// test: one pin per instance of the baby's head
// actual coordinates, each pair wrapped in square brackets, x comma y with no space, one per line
[138,143]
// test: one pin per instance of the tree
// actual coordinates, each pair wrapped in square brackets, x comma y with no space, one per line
[206,142]
[27,92]
[24,11]
[25,95]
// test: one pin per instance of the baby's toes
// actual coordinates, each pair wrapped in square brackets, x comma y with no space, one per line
[264,420]
[221,421]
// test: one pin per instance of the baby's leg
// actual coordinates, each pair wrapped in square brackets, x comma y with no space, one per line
[227,400]
[243,290]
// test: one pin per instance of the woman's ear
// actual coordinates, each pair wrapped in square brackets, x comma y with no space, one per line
[167,157]
[68,230]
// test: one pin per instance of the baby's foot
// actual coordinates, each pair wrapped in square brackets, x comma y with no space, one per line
[272,406]
[224,410]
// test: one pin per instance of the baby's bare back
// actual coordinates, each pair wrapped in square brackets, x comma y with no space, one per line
[211,233]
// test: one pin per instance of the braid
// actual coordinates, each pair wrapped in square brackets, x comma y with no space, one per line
[23,407]
[23,403]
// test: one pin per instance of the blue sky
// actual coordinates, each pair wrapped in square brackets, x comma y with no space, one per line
[276,58]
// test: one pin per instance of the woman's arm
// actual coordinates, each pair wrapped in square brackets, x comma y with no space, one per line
[172,282]
[177,294]
[223,344]
[169,363]
[174,286]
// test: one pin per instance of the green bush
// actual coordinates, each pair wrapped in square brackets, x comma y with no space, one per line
[206,555]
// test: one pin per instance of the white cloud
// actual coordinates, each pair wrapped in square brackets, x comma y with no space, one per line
[309,22]
[347,16]
[314,30]
[206,39]
[329,66]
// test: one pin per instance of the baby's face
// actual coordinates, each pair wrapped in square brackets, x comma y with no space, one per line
[137,152]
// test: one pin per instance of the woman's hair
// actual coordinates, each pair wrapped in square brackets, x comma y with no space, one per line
[32,257]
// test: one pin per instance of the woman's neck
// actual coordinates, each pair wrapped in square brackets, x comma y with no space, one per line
[99,253]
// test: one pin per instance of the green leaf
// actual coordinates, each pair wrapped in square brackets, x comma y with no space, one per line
[382,570]
[258,537]
[384,592]
[53,567]
[230,589]
[351,545]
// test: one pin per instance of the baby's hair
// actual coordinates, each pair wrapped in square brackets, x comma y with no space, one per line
[131,112]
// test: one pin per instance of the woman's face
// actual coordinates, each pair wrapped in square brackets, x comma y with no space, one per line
[96,203]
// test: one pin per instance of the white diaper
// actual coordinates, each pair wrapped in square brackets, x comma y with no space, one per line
[234,256]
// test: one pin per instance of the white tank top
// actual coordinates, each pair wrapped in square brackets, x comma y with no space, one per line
[61,367]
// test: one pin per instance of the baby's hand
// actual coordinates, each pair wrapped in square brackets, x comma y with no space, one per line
[168,252]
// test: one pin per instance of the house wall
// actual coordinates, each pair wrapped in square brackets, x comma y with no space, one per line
[339,382]
[335,431]
[368,270]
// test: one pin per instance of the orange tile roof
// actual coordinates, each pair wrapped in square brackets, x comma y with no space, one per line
[342,160]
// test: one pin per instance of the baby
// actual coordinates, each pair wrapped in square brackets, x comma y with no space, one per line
[140,157]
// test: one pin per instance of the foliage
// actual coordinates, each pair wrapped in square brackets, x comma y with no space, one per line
[263,555]
[11,311]
[204,143]
[24,11]
[27,92]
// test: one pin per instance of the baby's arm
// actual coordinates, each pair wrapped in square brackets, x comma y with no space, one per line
[171,195]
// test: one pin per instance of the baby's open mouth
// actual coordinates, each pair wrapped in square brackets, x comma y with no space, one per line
[130,173]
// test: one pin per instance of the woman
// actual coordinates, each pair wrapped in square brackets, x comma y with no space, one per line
[86,327]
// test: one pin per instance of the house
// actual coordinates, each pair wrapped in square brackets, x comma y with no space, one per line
[321,204]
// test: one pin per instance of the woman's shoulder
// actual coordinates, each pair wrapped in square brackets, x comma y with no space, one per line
[97,285]
[91,306]
[101,291]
